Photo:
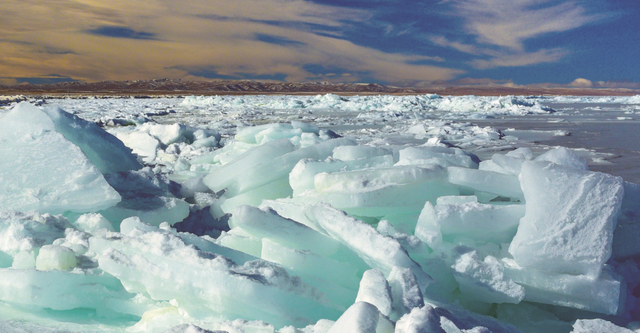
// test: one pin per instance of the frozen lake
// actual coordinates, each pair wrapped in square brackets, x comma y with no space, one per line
[601,129]
[607,135]
[320,214]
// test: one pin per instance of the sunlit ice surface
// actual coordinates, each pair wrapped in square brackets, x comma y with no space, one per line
[319,214]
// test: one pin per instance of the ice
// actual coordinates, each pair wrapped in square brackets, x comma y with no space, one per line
[569,220]
[334,278]
[603,294]
[440,319]
[424,319]
[487,181]
[58,290]
[483,222]
[206,284]
[302,176]
[146,195]
[382,192]
[362,317]
[405,291]
[266,223]
[439,155]
[423,103]
[29,231]
[271,180]
[352,153]
[227,176]
[24,260]
[625,244]
[56,176]
[597,325]
[93,222]
[142,144]
[530,318]
[511,162]
[484,280]
[565,157]
[377,251]
[251,214]
[55,257]
[104,151]
[374,289]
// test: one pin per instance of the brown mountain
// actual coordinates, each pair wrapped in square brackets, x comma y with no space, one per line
[219,87]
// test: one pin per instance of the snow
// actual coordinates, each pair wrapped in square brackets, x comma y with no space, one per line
[308,214]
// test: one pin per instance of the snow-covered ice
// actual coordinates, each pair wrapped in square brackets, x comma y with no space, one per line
[297,214]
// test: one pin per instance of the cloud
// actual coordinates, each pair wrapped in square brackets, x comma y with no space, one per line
[501,27]
[482,82]
[278,40]
[465,48]
[8,81]
[507,23]
[581,83]
[521,59]
[121,32]
[119,39]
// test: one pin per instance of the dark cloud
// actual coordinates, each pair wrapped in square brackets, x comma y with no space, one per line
[210,72]
[54,78]
[121,32]
[278,40]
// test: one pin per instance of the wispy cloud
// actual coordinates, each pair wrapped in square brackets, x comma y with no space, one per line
[501,27]
[508,23]
[521,59]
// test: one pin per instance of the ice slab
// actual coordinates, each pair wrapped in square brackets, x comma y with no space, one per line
[44,171]
[603,294]
[226,177]
[405,291]
[486,181]
[569,221]
[302,176]
[362,317]
[374,289]
[59,290]
[277,169]
[142,144]
[484,280]
[352,153]
[380,192]
[266,223]
[597,325]
[104,150]
[440,155]
[481,222]
[627,232]
[378,251]
[565,157]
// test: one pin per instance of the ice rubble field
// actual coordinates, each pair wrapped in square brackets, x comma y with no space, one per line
[245,214]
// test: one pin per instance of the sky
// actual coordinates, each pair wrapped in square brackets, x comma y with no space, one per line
[594,43]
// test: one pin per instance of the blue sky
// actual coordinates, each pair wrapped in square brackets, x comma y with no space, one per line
[396,42]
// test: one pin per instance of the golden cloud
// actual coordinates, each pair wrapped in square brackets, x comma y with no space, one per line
[174,39]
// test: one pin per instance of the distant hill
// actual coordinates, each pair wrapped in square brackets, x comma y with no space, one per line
[144,88]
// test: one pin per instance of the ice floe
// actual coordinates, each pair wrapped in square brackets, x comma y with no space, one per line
[289,227]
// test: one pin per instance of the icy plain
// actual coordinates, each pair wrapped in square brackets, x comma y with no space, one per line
[317,214]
